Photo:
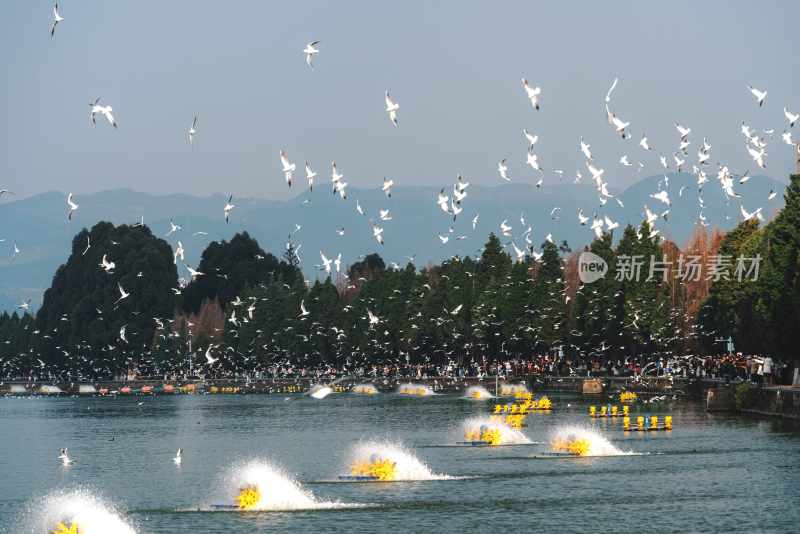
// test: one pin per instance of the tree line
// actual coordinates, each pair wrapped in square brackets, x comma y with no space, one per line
[251,310]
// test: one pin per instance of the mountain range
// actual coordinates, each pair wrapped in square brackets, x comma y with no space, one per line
[39,226]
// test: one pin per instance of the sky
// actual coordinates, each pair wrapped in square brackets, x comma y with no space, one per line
[453,66]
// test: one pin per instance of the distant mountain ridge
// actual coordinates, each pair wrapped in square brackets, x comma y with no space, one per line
[39,226]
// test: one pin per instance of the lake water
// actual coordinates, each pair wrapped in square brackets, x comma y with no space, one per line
[712,473]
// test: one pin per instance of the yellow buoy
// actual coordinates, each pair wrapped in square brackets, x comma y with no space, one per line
[626,423]
[62,528]
[381,469]
[491,436]
[249,497]
[579,447]
[592,411]
[668,422]
[576,447]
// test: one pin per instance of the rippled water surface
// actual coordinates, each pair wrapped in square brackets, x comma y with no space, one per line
[712,473]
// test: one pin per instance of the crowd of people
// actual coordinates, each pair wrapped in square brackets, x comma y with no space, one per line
[723,367]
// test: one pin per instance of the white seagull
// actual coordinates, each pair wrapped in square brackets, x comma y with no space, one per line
[194,273]
[108,266]
[310,51]
[103,110]
[532,139]
[663,196]
[533,160]
[287,167]
[209,359]
[71,207]
[391,107]
[310,175]
[747,216]
[178,252]
[760,95]
[533,93]
[377,233]
[387,187]
[192,131]
[228,208]
[64,457]
[326,262]
[585,148]
[502,168]
[791,117]
[122,294]
[373,319]
[56,19]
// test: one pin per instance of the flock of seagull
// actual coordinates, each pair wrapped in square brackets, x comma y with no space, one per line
[755,144]
[450,201]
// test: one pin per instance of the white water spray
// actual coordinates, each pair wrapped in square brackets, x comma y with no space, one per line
[477,393]
[276,490]
[510,390]
[79,509]
[416,390]
[508,435]
[407,465]
[364,389]
[597,444]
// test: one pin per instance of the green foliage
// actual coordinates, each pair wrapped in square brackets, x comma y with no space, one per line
[230,267]
[462,310]
[744,396]
[82,314]
[762,315]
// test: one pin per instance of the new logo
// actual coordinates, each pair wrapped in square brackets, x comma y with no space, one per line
[591,267]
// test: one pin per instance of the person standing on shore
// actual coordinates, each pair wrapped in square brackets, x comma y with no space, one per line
[766,371]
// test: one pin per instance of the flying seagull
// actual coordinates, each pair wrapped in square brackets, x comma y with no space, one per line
[122,294]
[192,131]
[71,207]
[758,94]
[391,107]
[56,19]
[310,51]
[103,110]
[228,208]
[533,93]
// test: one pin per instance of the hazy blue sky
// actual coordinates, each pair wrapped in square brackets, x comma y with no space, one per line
[454,67]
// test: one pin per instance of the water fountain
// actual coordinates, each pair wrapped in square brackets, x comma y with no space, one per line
[76,512]
[580,441]
[485,431]
[364,389]
[375,461]
[260,486]
[415,390]
[477,393]
[512,390]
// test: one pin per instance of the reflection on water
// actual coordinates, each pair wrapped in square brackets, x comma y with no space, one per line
[697,477]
